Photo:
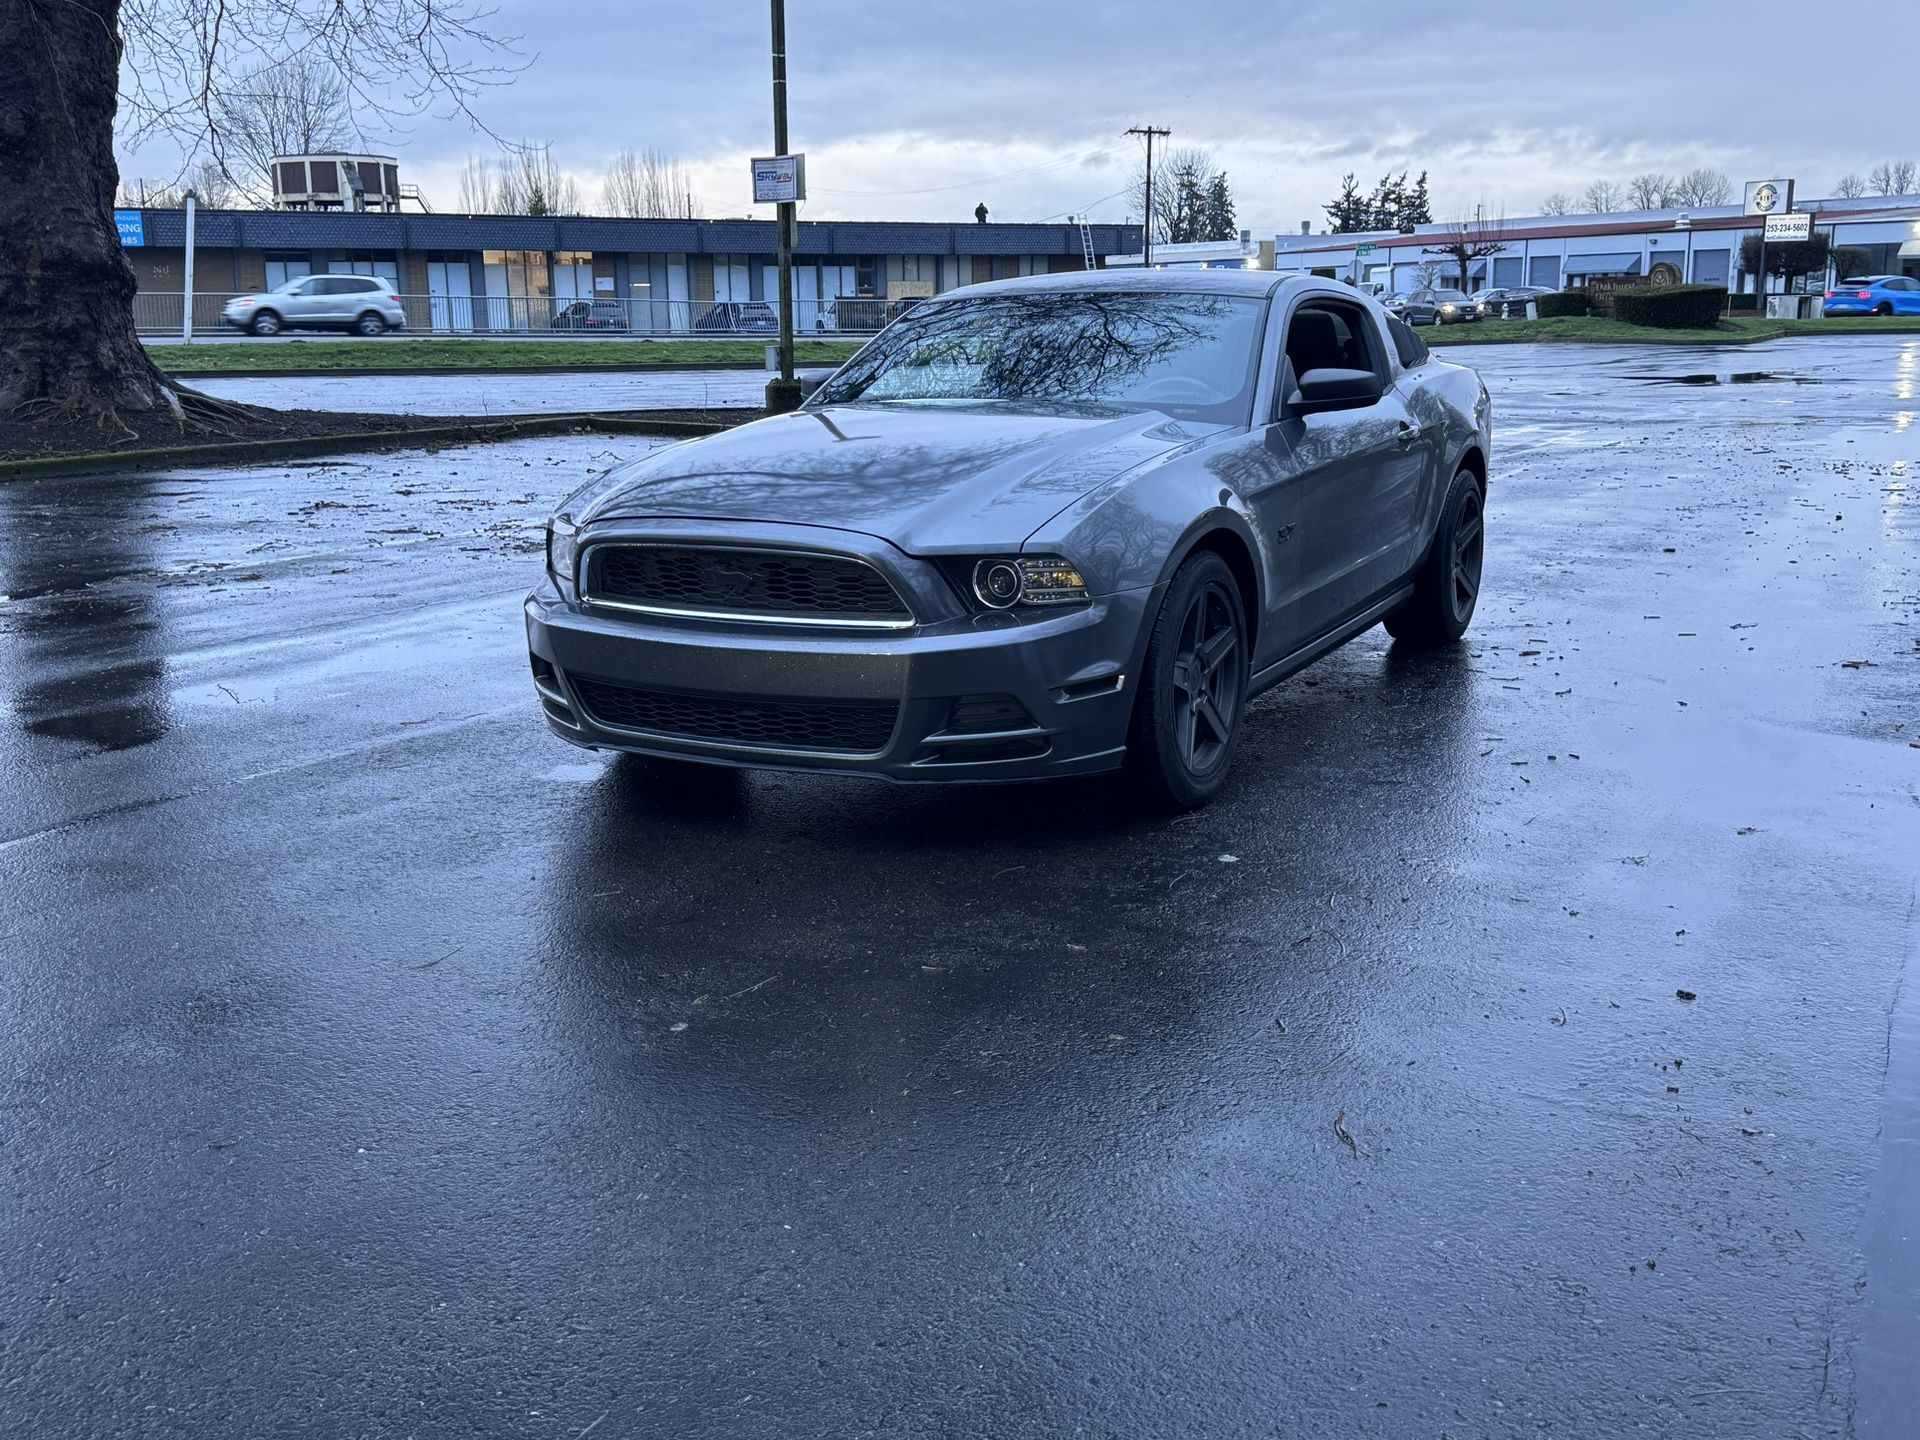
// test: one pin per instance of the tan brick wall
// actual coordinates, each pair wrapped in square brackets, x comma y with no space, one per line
[252,270]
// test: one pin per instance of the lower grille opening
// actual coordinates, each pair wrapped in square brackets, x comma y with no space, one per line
[853,727]
[985,714]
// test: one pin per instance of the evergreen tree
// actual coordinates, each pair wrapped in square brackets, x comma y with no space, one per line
[1383,206]
[1415,209]
[1352,211]
[1218,220]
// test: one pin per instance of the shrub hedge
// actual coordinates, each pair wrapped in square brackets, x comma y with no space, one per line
[1563,302]
[1671,307]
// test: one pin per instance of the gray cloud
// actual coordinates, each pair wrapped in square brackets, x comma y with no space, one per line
[918,110]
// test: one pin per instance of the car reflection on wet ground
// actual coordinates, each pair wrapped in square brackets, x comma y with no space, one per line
[1518,1047]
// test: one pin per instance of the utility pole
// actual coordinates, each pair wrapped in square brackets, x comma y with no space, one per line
[785,211]
[1146,220]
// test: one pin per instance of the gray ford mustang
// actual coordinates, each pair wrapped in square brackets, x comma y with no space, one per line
[1036,528]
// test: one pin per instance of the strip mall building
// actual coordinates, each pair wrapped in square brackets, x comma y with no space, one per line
[1700,247]
[463,273]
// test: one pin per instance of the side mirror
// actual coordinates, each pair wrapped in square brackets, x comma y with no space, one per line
[1334,390]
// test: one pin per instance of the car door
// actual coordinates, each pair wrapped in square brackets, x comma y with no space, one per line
[1421,307]
[301,305]
[1906,295]
[1359,471]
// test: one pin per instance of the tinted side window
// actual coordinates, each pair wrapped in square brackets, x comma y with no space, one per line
[1410,347]
[1326,335]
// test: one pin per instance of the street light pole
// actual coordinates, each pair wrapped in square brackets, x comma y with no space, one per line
[785,211]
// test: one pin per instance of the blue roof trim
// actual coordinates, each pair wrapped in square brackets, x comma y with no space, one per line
[1620,263]
[306,229]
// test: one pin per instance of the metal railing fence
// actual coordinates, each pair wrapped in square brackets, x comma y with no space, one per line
[508,316]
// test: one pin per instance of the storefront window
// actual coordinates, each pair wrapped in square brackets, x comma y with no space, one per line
[518,289]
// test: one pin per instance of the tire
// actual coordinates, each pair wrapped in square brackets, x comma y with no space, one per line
[1188,714]
[370,324]
[1448,586]
[1883,308]
[264,323]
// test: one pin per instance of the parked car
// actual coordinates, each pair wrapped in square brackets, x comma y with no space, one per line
[1042,527]
[1509,303]
[1395,304]
[748,317]
[591,315]
[365,304]
[1439,307]
[1875,295]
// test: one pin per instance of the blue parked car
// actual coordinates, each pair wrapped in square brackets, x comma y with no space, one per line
[1875,295]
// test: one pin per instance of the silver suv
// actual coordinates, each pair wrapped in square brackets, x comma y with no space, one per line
[364,304]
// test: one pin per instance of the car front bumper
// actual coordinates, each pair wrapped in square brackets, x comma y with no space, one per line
[1072,673]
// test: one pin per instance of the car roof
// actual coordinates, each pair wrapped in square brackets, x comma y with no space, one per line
[1172,282]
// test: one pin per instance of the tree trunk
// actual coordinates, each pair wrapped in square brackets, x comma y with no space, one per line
[67,343]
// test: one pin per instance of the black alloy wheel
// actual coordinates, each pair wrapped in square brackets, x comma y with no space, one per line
[1447,589]
[1193,688]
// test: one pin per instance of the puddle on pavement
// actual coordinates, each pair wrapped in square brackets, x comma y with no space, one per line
[1742,377]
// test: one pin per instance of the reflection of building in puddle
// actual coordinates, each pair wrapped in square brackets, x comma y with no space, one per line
[88,639]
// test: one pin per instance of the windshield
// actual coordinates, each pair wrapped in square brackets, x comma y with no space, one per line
[1191,356]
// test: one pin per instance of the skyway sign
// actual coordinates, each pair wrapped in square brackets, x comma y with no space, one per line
[1795,226]
[132,225]
[779,179]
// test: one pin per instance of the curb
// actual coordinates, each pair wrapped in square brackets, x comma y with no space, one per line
[231,451]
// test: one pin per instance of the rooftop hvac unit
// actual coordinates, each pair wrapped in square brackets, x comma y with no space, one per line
[336,182]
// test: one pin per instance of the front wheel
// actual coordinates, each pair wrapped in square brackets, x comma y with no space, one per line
[265,323]
[1193,687]
[1447,588]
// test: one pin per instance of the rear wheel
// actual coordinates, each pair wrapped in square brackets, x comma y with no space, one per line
[265,323]
[1193,687]
[1885,307]
[1448,586]
[371,324]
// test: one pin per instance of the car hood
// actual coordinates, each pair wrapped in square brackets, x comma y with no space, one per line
[926,477]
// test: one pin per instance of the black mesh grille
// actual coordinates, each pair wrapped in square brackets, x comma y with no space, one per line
[855,726]
[799,586]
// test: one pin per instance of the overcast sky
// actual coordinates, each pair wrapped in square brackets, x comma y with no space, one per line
[923,111]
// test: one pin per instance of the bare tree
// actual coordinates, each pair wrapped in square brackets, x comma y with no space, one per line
[1558,203]
[1181,184]
[478,185]
[1601,196]
[1892,178]
[208,184]
[1850,186]
[647,184]
[296,106]
[1651,191]
[530,183]
[1470,239]
[1427,273]
[66,69]
[1702,188]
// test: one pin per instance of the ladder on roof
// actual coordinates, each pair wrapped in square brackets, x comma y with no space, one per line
[1086,243]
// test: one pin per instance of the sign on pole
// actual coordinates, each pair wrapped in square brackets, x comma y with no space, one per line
[779,179]
[132,225]
[1769,197]
[1797,225]
[1363,249]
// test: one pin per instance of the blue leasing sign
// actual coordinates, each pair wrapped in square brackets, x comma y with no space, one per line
[132,225]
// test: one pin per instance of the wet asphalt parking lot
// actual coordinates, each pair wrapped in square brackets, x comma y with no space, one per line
[1527,1044]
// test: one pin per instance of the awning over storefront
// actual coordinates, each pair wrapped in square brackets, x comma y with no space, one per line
[1910,250]
[1623,264]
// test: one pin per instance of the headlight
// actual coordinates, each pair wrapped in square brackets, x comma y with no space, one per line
[1001,584]
[563,548]
[1446,309]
